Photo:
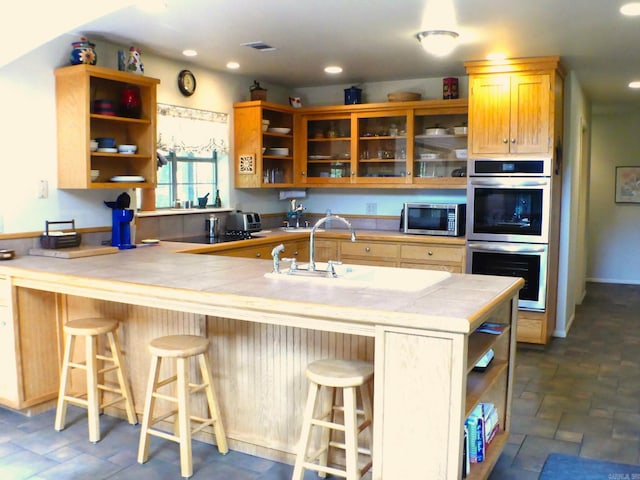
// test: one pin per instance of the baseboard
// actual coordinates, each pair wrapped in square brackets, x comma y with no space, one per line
[563,333]
[613,280]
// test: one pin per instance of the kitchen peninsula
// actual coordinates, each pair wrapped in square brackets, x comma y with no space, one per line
[265,331]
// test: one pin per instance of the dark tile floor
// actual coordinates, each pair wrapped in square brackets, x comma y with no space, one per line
[580,395]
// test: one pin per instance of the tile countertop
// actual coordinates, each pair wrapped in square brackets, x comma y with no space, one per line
[230,287]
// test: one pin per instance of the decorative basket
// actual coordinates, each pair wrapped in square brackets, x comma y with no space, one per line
[404,96]
[58,238]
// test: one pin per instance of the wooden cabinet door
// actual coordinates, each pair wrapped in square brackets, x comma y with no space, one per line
[510,114]
[10,384]
[530,114]
[489,114]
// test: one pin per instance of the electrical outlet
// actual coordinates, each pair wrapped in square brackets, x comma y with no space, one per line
[372,208]
[43,189]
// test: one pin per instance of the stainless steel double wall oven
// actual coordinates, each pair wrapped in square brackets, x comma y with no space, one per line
[508,220]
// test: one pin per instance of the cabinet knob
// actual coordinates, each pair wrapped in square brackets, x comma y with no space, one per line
[353,174]
[513,140]
[408,174]
[304,174]
[295,254]
[429,252]
[258,255]
[367,249]
[505,140]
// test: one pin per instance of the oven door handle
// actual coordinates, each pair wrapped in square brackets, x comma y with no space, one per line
[508,248]
[517,183]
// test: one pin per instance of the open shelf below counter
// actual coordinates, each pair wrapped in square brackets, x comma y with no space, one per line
[482,470]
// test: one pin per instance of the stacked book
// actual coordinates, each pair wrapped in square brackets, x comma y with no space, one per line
[480,428]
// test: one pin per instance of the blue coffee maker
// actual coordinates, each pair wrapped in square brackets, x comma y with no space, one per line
[121,228]
[121,216]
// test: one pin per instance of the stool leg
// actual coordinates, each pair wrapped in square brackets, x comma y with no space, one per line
[154,373]
[325,436]
[61,409]
[125,390]
[93,400]
[184,417]
[214,408]
[350,433]
[368,412]
[298,469]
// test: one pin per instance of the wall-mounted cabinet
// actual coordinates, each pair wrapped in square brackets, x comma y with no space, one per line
[263,143]
[513,106]
[381,145]
[77,89]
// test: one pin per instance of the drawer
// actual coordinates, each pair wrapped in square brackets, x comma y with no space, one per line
[444,267]
[529,330]
[435,253]
[387,251]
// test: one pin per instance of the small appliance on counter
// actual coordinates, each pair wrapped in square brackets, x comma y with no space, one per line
[446,219]
[59,238]
[121,216]
[244,221]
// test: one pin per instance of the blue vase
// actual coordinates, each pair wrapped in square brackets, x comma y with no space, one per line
[83,51]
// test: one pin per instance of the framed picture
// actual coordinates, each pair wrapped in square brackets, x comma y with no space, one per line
[627,184]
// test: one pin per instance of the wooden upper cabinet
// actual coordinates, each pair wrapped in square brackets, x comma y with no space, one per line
[512,107]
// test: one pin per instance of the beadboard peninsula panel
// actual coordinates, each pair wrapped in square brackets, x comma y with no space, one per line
[258,369]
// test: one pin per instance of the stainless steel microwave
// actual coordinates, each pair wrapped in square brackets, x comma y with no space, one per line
[447,219]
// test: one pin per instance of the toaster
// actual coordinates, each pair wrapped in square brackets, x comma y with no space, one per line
[245,221]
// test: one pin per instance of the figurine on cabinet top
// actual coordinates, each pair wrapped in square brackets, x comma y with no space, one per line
[134,61]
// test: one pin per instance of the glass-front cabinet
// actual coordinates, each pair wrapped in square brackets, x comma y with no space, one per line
[328,145]
[383,149]
[418,144]
[440,147]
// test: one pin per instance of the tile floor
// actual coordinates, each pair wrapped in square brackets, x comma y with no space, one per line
[580,396]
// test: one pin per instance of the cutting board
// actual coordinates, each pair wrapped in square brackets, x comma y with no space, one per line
[73,252]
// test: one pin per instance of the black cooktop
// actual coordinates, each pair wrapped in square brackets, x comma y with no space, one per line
[229,236]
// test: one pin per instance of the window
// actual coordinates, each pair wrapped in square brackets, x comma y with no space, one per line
[192,142]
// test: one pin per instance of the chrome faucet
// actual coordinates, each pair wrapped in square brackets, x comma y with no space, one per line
[312,237]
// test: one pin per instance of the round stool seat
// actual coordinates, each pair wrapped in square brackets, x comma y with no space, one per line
[178,346]
[90,326]
[339,373]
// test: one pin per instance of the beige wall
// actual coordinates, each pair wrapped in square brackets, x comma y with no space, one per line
[614,229]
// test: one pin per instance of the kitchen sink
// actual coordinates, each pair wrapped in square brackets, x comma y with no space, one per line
[364,276]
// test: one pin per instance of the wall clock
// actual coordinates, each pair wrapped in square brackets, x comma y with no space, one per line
[186,83]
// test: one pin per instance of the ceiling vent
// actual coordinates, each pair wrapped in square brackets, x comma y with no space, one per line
[260,46]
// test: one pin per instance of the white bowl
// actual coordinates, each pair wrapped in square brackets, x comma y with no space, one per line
[435,131]
[93,145]
[461,153]
[94,175]
[429,156]
[127,148]
[279,151]
[460,130]
[279,130]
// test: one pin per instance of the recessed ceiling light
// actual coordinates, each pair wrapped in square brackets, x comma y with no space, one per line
[333,69]
[635,84]
[189,53]
[630,9]
[233,65]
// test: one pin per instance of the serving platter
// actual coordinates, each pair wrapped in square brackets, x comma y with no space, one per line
[127,178]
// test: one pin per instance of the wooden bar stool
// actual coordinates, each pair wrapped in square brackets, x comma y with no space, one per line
[91,329]
[349,376]
[180,347]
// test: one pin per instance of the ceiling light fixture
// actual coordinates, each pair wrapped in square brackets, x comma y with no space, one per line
[634,84]
[333,69]
[630,9]
[189,52]
[233,65]
[438,42]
